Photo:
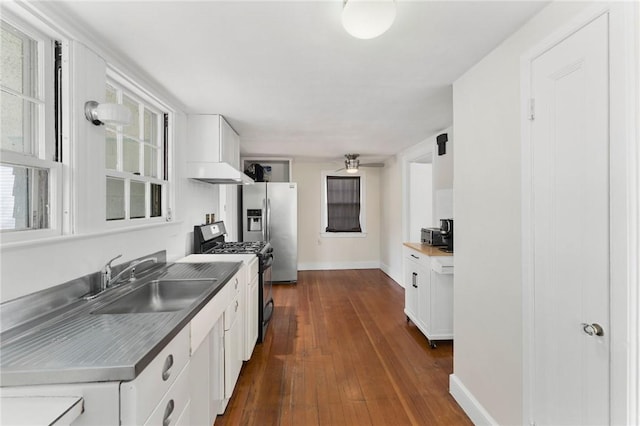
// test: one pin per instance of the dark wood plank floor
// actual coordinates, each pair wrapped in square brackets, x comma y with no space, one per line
[339,351]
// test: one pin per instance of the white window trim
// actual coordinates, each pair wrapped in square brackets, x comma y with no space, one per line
[45,143]
[139,93]
[363,205]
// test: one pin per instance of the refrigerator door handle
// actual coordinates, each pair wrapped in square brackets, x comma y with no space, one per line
[264,219]
[268,220]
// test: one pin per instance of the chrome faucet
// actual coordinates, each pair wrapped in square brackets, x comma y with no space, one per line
[106,274]
[112,282]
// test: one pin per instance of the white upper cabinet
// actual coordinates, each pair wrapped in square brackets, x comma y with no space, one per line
[212,139]
[230,144]
[214,150]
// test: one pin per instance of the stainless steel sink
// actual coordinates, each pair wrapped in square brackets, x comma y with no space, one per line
[159,296]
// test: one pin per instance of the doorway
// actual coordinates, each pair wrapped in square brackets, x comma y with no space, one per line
[417,184]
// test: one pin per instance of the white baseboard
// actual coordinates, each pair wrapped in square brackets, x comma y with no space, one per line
[324,266]
[470,405]
[394,275]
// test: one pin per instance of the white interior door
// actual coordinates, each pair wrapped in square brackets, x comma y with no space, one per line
[570,168]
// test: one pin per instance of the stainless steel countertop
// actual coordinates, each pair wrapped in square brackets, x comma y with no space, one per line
[82,347]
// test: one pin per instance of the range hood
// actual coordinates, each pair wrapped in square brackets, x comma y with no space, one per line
[220,173]
[214,151]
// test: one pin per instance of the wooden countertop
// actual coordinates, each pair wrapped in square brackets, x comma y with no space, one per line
[427,249]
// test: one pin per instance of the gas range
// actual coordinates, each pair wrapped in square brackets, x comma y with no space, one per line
[209,239]
[244,247]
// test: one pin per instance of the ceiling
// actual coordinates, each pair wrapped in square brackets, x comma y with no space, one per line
[291,81]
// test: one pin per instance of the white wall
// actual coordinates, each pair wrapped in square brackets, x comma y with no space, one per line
[316,252]
[391,219]
[29,267]
[443,164]
[487,280]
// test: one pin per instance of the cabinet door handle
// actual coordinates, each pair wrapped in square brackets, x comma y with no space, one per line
[167,413]
[414,279]
[237,304]
[166,370]
[236,284]
[415,257]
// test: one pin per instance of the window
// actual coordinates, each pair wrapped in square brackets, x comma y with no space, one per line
[135,158]
[343,205]
[30,164]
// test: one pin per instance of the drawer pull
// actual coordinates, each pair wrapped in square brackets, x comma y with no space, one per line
[166,370]
[236,284]
[415,257]
[167,413]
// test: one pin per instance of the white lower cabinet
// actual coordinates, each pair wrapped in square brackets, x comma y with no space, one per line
[217,350]
[251,315]
[141,399]
[184,419]
[173,404]
[233,346]
[251,309]
[429,294]
[188,383]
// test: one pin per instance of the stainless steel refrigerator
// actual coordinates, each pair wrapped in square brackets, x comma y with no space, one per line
[270,213]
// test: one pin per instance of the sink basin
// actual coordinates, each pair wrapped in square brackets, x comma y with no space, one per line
[158,296]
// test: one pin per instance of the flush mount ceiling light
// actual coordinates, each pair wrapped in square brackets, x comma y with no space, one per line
[107,113]
[367,19]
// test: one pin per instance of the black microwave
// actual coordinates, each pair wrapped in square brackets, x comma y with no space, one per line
[432,237]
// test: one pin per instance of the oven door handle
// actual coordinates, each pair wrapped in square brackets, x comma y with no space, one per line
[266,320]
[267,262]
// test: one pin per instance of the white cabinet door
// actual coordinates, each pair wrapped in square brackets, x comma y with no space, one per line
[410,289]
[251,316]
[199,389]
[216,372]
[203,137]
[233,344]
[424,297]
[440,323]
[230,144]
[139,397]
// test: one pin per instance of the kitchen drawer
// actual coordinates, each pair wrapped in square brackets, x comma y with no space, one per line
[140,396]
[172,406]
[418,257]
[185,417]
[234,282]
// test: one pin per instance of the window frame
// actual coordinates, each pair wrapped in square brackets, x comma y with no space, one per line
[43,155]
[133,91]
[323,205]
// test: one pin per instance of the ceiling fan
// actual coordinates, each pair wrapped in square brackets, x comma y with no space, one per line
[351,164]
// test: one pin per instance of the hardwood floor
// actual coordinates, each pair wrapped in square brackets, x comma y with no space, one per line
[339,351]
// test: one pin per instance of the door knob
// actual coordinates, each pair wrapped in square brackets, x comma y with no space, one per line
[593,329]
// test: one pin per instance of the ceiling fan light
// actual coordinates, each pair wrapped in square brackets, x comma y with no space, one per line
[366,19]
[351,164]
